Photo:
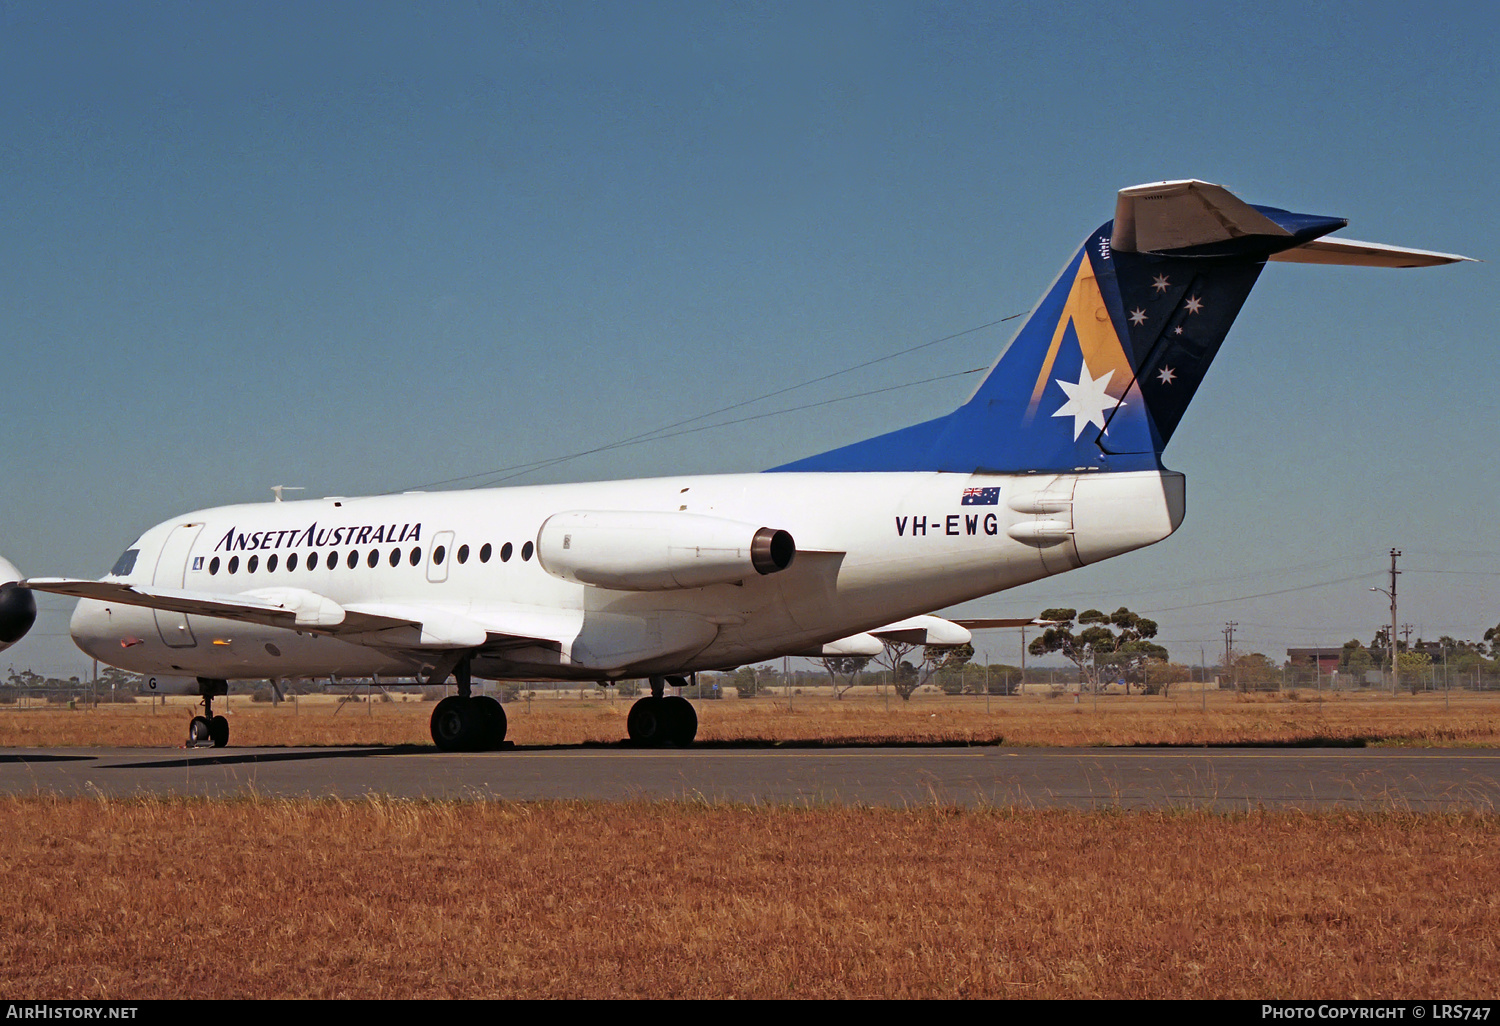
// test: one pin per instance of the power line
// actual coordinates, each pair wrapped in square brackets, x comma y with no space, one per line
[1263,594]
[659,433]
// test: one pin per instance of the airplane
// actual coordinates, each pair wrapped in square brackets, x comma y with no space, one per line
[1052,463]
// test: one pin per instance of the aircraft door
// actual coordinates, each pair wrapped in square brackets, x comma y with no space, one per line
[171,572]
[440,556]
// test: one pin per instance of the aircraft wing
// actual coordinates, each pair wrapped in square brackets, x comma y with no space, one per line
[405,627]
[986,623]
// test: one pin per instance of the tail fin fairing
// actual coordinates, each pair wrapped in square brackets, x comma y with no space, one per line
[1099,376]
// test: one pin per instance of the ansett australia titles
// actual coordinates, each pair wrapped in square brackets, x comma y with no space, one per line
[318,537]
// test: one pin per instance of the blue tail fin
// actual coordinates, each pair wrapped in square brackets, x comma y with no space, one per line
[1103,370]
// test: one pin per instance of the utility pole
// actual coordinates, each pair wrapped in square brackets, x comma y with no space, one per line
[1395,670]
[1022,688]
[986,681]
[1228,633]
[1203,675]
[1395,666]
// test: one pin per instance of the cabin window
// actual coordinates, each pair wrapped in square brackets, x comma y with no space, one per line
[416,555]
[484,552]
[463,553]
[126,562]
[251,564]
[312,560]
[505,551]
[271,561]
[234,564]
[373,560]
[438,554]
[395,557]
[213,565]
[526,551]
[291,561]
[353,560]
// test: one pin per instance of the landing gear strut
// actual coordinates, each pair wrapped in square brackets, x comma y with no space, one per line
[466,722]
[663,720]
[209,729]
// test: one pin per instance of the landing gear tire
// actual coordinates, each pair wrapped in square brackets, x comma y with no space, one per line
[495,723]
[460,725]
[218,731]
[661,721]
[645,722]
[682,720]
[200,732]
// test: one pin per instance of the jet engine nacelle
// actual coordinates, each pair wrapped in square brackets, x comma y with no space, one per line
[17,606]
[658,551]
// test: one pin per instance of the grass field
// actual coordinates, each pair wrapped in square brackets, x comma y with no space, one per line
[157,898]
[260,898]
[1303,717]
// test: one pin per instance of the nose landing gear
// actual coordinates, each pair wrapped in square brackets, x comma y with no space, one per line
[209,729]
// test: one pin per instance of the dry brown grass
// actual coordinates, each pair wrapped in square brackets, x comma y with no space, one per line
[151,898]
[1468,719]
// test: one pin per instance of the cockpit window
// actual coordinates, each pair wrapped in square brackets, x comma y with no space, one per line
[125,563]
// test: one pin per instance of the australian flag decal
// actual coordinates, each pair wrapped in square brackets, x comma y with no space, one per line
[981,497]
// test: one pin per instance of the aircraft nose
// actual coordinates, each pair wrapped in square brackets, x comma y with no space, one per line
[89,626]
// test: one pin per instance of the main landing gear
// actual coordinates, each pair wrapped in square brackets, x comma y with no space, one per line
[661,720]
[466,722]
[209,729]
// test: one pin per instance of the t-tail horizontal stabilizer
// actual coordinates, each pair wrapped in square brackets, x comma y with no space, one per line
[1100,375]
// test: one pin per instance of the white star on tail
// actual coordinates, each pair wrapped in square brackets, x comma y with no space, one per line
[1194,305]
[1167,376]
[1160,283]
[1087,399]
[1137,317]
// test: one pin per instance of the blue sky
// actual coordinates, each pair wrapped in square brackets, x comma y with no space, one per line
[366,247]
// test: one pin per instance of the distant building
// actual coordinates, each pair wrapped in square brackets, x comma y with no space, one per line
[1325,659]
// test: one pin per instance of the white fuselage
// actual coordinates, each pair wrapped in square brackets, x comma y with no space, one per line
[870,549]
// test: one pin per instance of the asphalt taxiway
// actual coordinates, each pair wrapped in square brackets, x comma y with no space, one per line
[1129,778]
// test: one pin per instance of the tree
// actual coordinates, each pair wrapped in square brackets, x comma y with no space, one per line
[1115,640]
[27,678]
[1359,661]
[948,664]
[1256,669]
[846,667]
[906,677]
[1347,654]
[118,682]
[1380,647]
[1415,668]
[746,681]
